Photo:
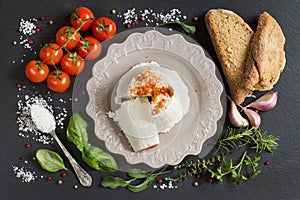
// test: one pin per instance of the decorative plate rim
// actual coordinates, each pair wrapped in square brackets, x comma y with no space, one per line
[194,55]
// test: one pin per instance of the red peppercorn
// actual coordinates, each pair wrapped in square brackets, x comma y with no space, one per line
[159,181]
[30,41]
[37,29]
[127,25]
[25,170]
[64,174]
[49,178]
[28,145]
[136,22]
[159,17]
[210,180]
[18,85]
[198,176]
[267,163]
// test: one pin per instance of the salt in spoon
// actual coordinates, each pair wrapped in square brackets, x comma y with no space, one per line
[45,122]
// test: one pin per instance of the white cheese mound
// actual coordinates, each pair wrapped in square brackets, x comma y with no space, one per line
[142,119]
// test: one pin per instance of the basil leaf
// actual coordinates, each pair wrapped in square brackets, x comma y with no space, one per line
[49,160]
[113,182]
[137,173]
[142,186]
[77,131]
[99,159]
[185,27]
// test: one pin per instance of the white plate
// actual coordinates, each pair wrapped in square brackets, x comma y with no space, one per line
[198,73]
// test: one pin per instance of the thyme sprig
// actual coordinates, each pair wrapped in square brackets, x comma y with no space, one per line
[216,167]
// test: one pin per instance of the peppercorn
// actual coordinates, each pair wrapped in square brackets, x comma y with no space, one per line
[64,174]
[30,41]
[37,29]
[195,183]
[267,163]
[159,181]
[28,145]
[49,178]
[14,42]
[198,176]
[51,22]
[59,182]
[143,18]
[127,25]
[210,180]
[195,18]
[75,186]
[113,11]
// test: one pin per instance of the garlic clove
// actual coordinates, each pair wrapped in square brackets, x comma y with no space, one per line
[235,116]
[253,117]
[266,102]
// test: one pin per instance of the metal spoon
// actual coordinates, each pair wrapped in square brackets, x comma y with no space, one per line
[84,178]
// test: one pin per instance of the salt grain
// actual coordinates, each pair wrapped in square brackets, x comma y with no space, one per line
[26,176]
[150,17]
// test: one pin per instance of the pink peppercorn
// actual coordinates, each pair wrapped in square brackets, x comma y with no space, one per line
[37,29]
[28,145]
[159,181]
[210,180]
[64,174]
[127,25]
[136,22]
[30,41]
[267,163]
[49,178]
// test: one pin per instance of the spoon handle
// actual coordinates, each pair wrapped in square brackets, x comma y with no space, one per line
[84,178]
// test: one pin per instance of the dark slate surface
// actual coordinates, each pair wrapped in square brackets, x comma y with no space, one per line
[279,180]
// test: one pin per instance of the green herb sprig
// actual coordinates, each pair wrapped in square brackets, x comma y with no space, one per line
[216,167]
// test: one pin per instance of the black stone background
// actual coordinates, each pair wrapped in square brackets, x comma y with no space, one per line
[279,180]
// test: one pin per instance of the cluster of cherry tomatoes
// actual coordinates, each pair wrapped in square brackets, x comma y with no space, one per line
[70,50]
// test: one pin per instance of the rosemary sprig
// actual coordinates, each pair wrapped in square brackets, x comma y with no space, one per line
[249,136]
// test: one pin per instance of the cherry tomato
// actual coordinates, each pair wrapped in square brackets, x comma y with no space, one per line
[80,15]
[58,81]
[72,63]
[104,28]
[66,33]
[89,48]
[36,71]
[51,54]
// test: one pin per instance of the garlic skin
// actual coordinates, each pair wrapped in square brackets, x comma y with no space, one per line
[254,117]
[266,102]
[235,117]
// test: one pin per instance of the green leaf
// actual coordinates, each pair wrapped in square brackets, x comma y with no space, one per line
[138,173]
[240,179]
[228,165]
[142,186]
[77,131]
[99,159]
[114,182]
[49,160]
[185,27]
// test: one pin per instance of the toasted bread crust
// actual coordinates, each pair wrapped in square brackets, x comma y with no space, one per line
[231,38]
[267,58]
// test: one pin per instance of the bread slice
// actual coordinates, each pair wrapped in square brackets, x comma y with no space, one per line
[231,38]
[267,57]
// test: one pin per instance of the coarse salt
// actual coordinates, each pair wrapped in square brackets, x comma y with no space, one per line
[42,118]
[26,127]
[150,17]
[26,176]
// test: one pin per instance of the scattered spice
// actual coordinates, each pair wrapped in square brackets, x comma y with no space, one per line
[195,18]
[149,17]
[59,182]
[64,174]
[49,178]
[28,145]
[210,180]
[113,11]
[267,163]
[51,22]
[75,186]
[24,174]
[195,184]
